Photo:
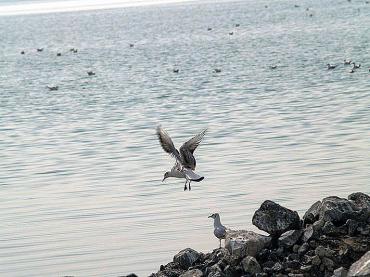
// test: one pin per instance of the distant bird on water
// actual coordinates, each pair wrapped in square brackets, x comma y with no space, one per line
[131,45]
[52,87]
[231,33]
[185,160]
[331,66]
[90,73]
[209,29]
[356,66]
[40,49]
[273,66]
[59,54]
[22,52]
[220,230]
[217,70]
[176,70]
[347,62]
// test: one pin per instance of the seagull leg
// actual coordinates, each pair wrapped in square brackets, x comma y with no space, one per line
[220,243]
[189,185]
[185,187]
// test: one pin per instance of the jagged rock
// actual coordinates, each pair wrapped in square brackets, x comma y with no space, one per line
[330,229]
[361,267]
[250,265]
[295,248]
[214,271]
[340,272]
[316,260]
[361,201]
[307,233]
[351,226]
[275,219]
[242,243]
[290,238]
[277,267]
[321,251]
[336,210]
[186,258]
[192,273]
[303,249]
[312,213]
[328,263]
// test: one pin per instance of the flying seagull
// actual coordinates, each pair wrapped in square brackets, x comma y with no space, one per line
[185,161]
[220,230]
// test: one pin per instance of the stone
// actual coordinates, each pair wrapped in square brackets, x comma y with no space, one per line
[186,258]
[289,238]
[316,260]
[296,248]
[306,268]
[361,267]
[303,249]
[214,271]
[245,243]
[250,265]
[192,273]
[307,233]
[312,213]
[361,201]
[330,229]
[277,267]
[321,251]
[336,209]
[275,219]
[340,272]
[351,226]
[328,263]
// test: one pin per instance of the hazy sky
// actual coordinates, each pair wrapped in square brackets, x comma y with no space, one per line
[29,7]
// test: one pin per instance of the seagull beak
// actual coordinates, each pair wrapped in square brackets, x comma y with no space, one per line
[163,179]
[210,216]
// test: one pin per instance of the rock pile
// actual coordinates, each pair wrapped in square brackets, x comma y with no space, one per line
[332,239]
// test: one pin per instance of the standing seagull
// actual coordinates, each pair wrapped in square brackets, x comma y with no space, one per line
[220,230]
[185,161]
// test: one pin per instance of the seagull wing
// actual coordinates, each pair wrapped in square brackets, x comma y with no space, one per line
[193,143]
[167,144]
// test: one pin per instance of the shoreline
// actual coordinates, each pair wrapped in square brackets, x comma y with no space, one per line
[331,239]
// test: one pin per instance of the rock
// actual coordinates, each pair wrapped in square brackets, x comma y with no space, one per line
[337,210]
[351,226]
[316,260]
[307,233]
[340,272]
[186,258]
[303,249]
[306,268]
[330,229]
[242,243]
[214,271]
[361,267]
[192,273]
[131,275]
[296,248]
[321,251]
[312,213]
[275,219]
[250,265]
[328,263]
[360,200]
[290,238]
[277,267]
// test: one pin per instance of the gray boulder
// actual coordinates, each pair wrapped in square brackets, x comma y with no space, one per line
[340,272]
[275,219]
[250,265]
[186,258]
[289,238]
[192,273]
[242,243]
[361,202]
[312,213]
[361,268]
[336,210]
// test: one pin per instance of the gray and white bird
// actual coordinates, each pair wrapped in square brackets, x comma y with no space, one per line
[185,160]
[220,230]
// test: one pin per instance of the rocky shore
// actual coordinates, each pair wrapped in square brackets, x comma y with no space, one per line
[332,239]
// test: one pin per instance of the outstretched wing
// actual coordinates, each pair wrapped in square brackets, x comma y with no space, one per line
[193,143]
[167,144]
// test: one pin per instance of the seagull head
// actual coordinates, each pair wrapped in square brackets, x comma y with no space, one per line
[166,175]
[214,215]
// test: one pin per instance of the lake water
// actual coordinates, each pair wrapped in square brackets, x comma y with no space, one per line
[81,167]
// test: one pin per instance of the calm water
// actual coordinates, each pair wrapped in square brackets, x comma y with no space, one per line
[81,168]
